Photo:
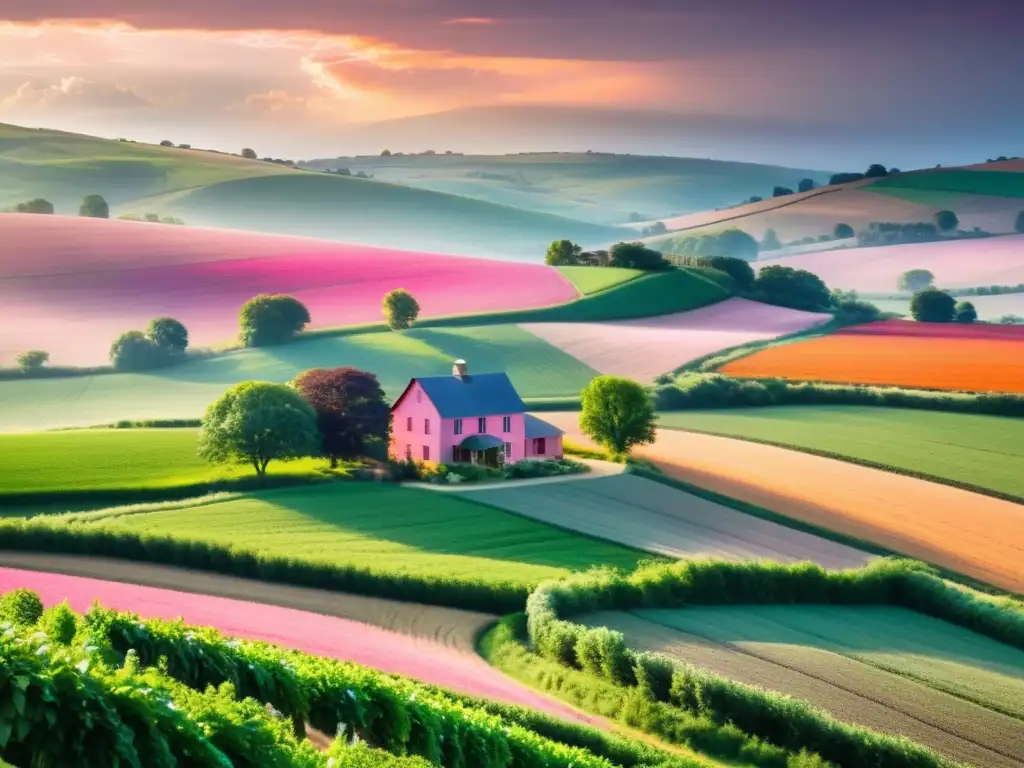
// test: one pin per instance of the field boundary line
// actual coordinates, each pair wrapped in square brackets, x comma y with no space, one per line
[959,484]
[859,694]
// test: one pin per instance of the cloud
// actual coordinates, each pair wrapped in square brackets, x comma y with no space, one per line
[472,20]
[73,93]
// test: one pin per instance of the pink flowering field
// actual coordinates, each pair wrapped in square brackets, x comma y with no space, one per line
[644,349]
[70,286]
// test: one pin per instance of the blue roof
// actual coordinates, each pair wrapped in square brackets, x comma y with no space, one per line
[485,394]
[539,428]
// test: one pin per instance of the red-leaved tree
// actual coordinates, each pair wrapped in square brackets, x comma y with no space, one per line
[350,408]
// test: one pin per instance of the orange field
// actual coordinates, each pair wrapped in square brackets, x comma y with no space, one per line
[899,353]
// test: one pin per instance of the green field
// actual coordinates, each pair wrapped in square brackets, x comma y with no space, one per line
[982,451]
[594,279]
[940,655]
[536,368]
[220,190]
[995,183]
[384,528]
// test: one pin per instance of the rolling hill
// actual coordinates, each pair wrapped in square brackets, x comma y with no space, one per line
[599,187]
[219,190]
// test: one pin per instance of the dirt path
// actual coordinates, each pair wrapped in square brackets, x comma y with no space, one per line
[641,513]
[598,469]
[423,642]
[976,535]
[849,689]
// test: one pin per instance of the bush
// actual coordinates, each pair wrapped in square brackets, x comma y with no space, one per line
[856,312]
[401,310]
[37,205]
[781,192]
[134,351]
[964,312]
[94,206]
[793,288]
[271,319]
[526,468]
[637,256]
[59,623]
[932,306]
[168,334]
[21,607]
[946,221]
[32,361]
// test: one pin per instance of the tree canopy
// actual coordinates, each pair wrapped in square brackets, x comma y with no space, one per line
[914,280]
[729,242]
[947,221]
[794,288]
[401,309]
[781,192]
[932,306]
[964,312]
[94,206]
[271,319]
[168,334]
[806,185]
[842,231]
[256,422]
[32,360]
[249,154]
[637,256]
[36,205]
[617,413]
[351,410]
[563,253]
[134,351]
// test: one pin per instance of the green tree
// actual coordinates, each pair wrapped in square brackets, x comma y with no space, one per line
[168,334]
[36,205]
[134,351]
[617,413]
[256,422]
[946,221]
[249,154]
[166,143]
[637,256]
[915,280]
[736,243]
[842,231]
[563,253]
[781,192]
[94,206]
[1018,225]
[964,312]
[932,306]
[770,241]
[738,269]
[794,288]
[806,185]
[32,360]
[386,153]
[876,171]
[351,410]
[271,318]
[401,310]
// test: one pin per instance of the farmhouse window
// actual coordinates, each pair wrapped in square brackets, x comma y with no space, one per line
[426,453]
[458,426]
[506,423]
[481,424]
[456,453]
[408,423]
[508,451]
[540,446]
[426,426]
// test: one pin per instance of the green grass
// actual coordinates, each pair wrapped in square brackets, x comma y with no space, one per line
[982,451]
[995,183]
[536,368]
[384,528]
[938,654]
[594,279]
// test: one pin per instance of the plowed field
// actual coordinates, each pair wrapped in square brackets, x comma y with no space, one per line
[899,353]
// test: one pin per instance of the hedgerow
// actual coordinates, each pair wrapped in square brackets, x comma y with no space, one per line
[55,534]
[778,719]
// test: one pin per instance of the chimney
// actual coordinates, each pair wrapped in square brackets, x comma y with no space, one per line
[460,369]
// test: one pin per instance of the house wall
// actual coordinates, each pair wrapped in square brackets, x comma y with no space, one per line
[416,405]
[516,436]
[552,448]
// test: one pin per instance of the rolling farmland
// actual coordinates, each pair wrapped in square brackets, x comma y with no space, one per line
[380,528]
[105,277]
[646,348]
[594,279]
[646,515]
[982,451]
[955,264]
[913,517]
[885,668]
[536,368]
[945,356]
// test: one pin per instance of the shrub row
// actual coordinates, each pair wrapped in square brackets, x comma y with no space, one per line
[779,719]
[354,702]
[43,534]
[715,390]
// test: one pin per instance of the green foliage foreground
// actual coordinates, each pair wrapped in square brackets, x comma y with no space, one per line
[156,694]
[780,720]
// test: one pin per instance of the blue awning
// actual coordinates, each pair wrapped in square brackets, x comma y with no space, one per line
[481,442]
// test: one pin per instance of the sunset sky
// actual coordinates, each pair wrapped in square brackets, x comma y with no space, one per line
[294,78]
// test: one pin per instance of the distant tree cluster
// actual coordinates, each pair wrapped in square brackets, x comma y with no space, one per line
[36,205]
[915,280]
[875,171]
[162,343]
[781,192]
[151,217]
[94,206]
[636,255]
[738,270]
[728,242]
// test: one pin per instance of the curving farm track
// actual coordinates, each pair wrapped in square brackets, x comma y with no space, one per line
[431,644]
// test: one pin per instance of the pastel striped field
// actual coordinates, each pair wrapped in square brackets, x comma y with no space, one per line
[955,264]
[70,285]
[646,348]
[944,356]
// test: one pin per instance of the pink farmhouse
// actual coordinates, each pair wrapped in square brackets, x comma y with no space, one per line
[461,418]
